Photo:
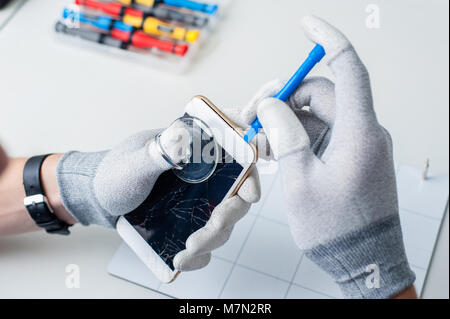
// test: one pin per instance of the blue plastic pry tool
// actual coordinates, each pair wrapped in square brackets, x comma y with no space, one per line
[196,6]
[314,57]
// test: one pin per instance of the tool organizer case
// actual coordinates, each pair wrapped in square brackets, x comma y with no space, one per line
[164,37]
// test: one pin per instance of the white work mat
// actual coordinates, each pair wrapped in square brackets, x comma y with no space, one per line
[261,260]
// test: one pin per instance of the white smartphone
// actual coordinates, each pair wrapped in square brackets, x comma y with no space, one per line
[158,229]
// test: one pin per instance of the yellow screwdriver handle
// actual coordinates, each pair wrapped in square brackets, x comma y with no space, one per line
[132,20]
[147,3]
[157,27]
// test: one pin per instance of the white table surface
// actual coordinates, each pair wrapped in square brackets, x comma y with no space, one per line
[57,97]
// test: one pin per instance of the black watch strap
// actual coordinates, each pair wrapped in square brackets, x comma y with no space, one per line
[35,200]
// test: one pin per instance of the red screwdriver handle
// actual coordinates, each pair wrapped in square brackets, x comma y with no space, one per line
[107,7]
[113,8]
[120,35]
[141,40]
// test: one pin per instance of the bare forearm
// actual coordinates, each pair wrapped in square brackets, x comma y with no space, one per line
[14,218]
[408,293]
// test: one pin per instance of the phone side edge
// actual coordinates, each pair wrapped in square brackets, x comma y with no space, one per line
[145,252]
[240,133]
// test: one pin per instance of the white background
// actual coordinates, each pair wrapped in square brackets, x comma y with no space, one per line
[56,97]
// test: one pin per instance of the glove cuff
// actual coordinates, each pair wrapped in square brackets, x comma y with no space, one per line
[75,173]
[354,260]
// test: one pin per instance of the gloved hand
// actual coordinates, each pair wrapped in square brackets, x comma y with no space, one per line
[342,206]
[219,227]
[317,130]
[96,188]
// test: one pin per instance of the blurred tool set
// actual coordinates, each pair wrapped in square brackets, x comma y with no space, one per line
[164,32]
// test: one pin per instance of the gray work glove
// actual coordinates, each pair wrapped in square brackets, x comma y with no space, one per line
[342,205]
[96,188]
[317,130]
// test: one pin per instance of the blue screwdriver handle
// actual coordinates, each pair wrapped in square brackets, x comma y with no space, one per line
[196,6]
[314,57]
[101,22]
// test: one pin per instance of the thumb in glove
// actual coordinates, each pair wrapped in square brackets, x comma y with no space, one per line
[98,187]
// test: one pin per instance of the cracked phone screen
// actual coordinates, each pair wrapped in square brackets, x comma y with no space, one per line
[176,209]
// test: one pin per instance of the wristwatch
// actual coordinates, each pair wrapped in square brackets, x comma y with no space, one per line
[35,201]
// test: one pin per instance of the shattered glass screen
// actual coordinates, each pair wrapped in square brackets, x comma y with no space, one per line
[176,209]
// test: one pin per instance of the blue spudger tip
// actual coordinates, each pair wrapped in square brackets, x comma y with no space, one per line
[250,134]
